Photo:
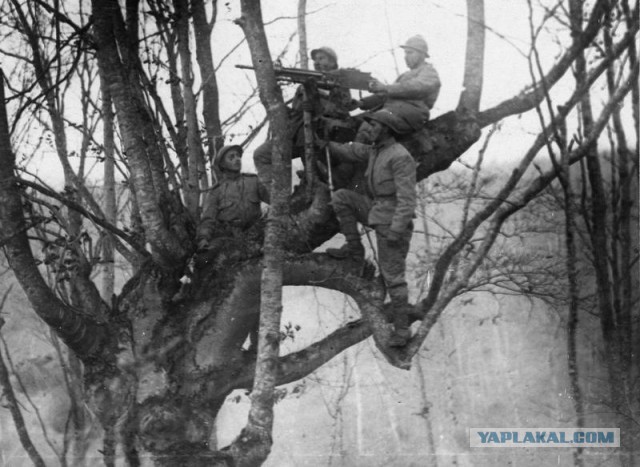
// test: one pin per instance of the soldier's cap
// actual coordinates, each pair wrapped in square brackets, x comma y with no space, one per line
[417,43]
[327,50]
[386,117]
[223,150]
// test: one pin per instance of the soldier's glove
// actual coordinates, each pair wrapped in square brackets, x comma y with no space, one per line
[203,244]
[320,144]
[376,86]
[393,239]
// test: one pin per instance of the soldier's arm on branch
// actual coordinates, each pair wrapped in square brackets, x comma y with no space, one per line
[404,178]
[425,82]
[350,152]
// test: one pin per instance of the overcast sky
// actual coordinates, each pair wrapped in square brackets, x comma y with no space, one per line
[367,34]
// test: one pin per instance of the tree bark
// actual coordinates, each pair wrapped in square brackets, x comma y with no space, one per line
[109,184]
[138,135]
[474,58]
[254,443]
[197,173]
[210,93]
[302,34]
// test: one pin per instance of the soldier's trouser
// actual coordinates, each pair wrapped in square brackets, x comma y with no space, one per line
[392,261]
[350,208]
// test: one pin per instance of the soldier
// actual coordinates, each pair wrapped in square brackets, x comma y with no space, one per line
[334,103]
[414,92]
[234,203]
[232,208]
[388,206]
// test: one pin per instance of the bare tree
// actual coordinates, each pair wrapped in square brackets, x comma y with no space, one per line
[194,351]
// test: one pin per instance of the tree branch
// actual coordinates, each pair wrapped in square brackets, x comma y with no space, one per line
[81,333]
[527,100]
[16,414]
[78,208]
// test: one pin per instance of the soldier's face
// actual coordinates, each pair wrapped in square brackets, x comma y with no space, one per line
[413,58]
[232,161]
[377,131]
[323,62]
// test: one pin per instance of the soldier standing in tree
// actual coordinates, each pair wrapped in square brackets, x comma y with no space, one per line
[388,206]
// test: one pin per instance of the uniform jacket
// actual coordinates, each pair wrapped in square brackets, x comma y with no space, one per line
[235,201]
[390,180]
[420,86]
[333,103]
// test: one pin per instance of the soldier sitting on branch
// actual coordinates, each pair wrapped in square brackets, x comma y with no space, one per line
[414,92]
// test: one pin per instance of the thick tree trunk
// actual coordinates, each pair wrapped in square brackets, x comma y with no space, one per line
[254,443]
[138,134]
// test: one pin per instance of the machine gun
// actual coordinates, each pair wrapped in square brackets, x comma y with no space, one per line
[344,77]
[349,78]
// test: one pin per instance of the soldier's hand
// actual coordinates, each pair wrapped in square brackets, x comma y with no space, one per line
[203,244]
[393,239]
[353,104]
[320,144]
[376,86]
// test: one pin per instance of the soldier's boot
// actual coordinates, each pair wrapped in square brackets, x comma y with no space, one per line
[353,248]
[401,332]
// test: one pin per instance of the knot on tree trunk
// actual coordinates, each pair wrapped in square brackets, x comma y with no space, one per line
[170,428]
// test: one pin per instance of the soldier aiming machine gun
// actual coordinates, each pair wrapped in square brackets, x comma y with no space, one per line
[344,77]
[349,78]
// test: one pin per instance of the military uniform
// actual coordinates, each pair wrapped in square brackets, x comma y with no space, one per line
[330,104]
[233,206]
[418,88]
[389,205]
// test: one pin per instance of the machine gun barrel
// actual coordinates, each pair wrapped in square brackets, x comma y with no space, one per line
[344,77]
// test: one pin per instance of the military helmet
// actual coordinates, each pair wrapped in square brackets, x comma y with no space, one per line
[417,43]
[328,50]
[217,161]
[386,117]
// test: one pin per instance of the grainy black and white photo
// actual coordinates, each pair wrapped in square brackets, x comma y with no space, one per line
[307,233]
